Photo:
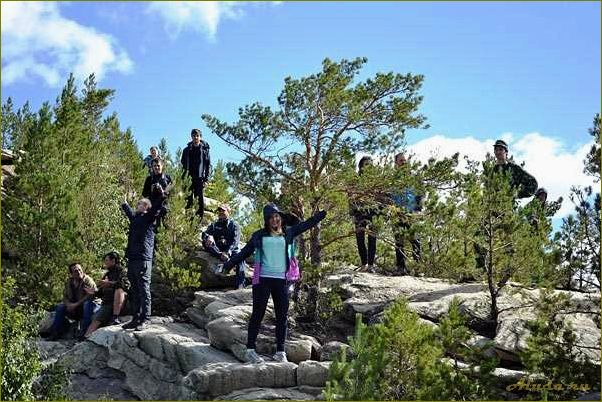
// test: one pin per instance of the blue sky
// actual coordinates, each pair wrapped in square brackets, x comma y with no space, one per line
[527,72]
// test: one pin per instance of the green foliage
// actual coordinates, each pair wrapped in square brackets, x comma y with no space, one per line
[178,239]
[592,161]
[218,187]
[468,374]
[73,169]
[403,359]
[389,359]
[551,349]
[19,357]
[324,117]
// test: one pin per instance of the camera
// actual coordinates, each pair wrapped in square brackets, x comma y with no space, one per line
[156,190]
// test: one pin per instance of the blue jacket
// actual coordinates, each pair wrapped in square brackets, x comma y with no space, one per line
[141,236]
[408,200]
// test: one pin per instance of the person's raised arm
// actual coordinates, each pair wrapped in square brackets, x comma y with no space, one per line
[246,251]
[127,210]
[296,230]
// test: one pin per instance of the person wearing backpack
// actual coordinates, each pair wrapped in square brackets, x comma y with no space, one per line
[274,268]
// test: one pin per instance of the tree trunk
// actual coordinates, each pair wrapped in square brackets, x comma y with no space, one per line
[314,243]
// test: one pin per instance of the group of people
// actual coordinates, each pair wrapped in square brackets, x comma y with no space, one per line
[408,202]
[100,303]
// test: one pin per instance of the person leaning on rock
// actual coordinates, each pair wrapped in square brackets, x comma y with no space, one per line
[140,248]
[274,268]
[221,240]
[78,302]
[112,289]
[196,163]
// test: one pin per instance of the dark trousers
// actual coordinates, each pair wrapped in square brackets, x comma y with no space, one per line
[367,255]
[83,312]
[402,233]
[240,268]
[139,274]
[261,294]
[196,191]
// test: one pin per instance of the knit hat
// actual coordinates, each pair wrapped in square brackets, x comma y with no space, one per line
[224,206]
[501,143]
[541,190]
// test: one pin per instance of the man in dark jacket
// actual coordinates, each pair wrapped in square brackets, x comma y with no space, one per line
[196,162]
[222,238]
[152,185]
[112,290]
[141,240]
[520,180]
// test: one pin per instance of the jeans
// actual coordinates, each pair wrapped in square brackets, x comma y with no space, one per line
[85,312]
[261,294]
[139,274]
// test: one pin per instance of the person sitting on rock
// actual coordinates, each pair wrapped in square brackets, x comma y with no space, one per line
[78,303]
[221,240]
[275,266]
[112,290]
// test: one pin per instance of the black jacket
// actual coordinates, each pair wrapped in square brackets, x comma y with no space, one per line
[164,181]
[141,237]
[226,235]
[202,167]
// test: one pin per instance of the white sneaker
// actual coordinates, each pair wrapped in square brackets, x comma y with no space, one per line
[253,357]
[280,357]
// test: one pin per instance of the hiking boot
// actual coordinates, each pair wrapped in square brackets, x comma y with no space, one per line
[371,269]
[131,324]
[253,357]
[280,357]
[142,325]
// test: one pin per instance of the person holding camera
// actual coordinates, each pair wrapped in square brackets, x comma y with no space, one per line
[156,188]
[196,162]
[221,240]
[140,248]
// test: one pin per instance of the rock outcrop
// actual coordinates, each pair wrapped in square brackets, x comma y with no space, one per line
[202,358]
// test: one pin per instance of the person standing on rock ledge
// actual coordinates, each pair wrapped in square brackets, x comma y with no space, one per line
[275,266]
[196,162]
[141,242]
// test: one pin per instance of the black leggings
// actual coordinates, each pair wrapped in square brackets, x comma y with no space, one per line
[367,256]
[261,294]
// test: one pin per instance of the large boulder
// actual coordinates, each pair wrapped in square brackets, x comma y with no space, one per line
[222,378]
[210,278]
[312,373]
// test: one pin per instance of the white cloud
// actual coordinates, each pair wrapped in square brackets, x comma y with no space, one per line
[555,167]
[198,16]
[38,41]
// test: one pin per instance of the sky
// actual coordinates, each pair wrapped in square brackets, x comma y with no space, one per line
[527,72]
